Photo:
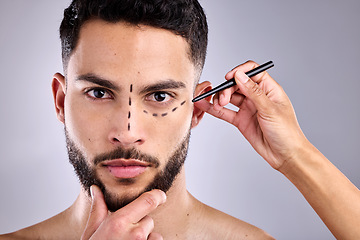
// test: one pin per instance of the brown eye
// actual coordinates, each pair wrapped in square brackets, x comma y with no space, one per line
[98,93]
[160,96]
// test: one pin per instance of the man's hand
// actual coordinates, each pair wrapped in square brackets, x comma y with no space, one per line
[129,222]
[265,117]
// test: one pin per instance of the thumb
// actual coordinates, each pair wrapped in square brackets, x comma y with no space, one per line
[98,212]
[252,90]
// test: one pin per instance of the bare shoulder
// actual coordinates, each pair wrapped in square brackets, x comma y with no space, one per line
[37,231]
[52,228]
[219,225]
[22,234]
[9,236]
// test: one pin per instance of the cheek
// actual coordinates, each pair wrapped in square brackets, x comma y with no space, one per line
[83,123]
[168,130]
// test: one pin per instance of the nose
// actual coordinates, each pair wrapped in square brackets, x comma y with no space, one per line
[126,129]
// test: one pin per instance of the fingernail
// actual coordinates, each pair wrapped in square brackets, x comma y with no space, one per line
[163,196]
[242,77]
[92,192]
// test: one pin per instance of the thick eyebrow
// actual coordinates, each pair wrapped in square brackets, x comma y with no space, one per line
[162,85]
[90,77]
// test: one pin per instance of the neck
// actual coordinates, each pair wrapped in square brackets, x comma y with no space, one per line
[178,205]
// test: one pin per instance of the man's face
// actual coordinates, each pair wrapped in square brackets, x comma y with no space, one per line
[128,106]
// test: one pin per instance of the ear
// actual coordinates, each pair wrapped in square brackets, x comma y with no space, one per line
[198,114]
[58,86]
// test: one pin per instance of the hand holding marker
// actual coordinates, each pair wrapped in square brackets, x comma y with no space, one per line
[232,82]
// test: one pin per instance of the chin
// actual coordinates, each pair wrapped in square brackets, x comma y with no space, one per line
[119,196]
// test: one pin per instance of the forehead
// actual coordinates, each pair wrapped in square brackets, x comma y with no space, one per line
[123,51]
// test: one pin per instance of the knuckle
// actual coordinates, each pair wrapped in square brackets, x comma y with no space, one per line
[220,113]
[155,236]
[255,89]
[139,233]
[250,61]
[150,200]
[117,225]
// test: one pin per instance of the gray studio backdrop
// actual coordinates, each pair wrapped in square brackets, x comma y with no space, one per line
[315,46]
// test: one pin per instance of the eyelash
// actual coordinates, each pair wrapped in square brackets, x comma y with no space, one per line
[147,97]
[170,95]
[106,92]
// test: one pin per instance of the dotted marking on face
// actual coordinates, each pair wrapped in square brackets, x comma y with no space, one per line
[165,113]
[129,115]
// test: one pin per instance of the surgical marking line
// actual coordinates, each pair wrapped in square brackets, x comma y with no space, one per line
[129,115]
[165,113]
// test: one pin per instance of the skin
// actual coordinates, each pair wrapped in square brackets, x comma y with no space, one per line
[125,61]
[138,56]
[265,117]
[267,120]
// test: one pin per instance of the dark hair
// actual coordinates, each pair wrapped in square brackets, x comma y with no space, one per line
[182,17]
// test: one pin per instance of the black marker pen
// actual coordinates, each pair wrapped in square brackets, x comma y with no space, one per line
[232,82]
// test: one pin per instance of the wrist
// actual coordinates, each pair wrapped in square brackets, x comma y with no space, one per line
[309,170]
[301,157]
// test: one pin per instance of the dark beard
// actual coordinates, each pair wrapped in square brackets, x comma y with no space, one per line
[163,180]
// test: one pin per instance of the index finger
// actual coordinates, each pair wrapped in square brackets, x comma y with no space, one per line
[142,206]
[246,67]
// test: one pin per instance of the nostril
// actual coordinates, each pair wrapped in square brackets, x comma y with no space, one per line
[126,140]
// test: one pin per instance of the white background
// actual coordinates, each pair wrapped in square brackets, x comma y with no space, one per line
[315,46]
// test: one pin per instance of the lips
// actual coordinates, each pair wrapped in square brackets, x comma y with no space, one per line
[126,168]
